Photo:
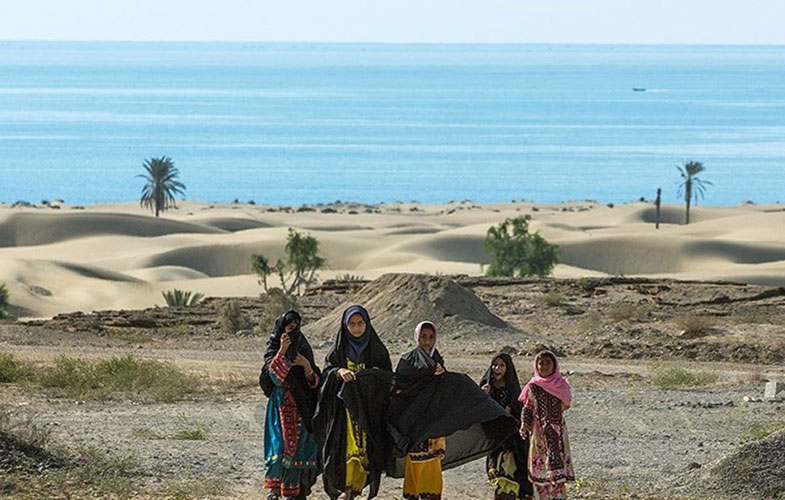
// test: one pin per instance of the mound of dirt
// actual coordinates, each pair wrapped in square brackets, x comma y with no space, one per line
[755,470]
[397,302]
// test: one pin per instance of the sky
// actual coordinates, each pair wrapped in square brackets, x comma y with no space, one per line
[399,21]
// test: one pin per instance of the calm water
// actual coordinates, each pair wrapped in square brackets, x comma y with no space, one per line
[283,123]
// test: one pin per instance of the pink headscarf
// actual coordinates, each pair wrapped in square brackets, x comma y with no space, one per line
[555,384]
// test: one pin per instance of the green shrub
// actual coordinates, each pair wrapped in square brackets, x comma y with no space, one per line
[12,371]
[514,250]
[695,325]
[82,379]
[671,375]
[182,298]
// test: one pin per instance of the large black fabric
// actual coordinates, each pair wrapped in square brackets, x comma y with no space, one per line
[426,406]
[507,397]
[366,399]
[305,395]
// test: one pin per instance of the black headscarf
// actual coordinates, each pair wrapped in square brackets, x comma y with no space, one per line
[507,398]
[367,349]
[303,393]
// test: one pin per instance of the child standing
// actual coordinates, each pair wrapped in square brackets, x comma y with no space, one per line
[353,400]
[289,379]
[507,465]
[544,398]
[423,463]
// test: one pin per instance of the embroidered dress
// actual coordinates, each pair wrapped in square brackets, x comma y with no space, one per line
[423,476]
[550,462]
[289,448]
[357,463]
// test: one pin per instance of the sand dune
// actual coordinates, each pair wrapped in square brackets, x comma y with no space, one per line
[118,256]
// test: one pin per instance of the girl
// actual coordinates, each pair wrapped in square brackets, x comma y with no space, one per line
[423,463]
[289,379]
[507,464]
[349,421]
[544,398]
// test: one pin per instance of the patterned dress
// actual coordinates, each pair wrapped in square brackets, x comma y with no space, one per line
[550,462]
[357,463]
[288,446]
[506,466]
[423,471]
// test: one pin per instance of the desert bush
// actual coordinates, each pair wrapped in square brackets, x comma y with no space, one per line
[671,375]
[84,379]
[4,297]
[12,371]
[514,250]
[182,298]
[551,299]
[276,302]
[195,488]
[621,311]
[695,325]
[232,319]
[348,278]
[189,431]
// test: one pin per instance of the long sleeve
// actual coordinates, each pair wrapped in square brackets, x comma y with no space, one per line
[279,369]
[528,414]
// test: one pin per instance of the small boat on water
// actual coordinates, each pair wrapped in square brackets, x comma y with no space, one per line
[639,89]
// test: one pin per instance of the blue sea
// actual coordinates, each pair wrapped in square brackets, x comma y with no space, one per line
[296,123]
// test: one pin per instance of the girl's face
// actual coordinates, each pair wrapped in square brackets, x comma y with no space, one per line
[291,326]
[499,369]
[356,325]
[427,338]
[545,365]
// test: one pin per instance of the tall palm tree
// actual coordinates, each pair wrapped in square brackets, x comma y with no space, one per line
[161,187]
[692,187]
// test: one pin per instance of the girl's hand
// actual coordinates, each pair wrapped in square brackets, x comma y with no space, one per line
[523,431]
[346,375]
[285,343]
[439,369]
[303,361]
[487,388]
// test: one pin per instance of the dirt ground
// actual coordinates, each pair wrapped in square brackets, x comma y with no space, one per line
[630,438]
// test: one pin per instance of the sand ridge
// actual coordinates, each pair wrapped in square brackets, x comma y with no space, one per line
[118,256]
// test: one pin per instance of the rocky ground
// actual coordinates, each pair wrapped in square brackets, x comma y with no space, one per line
[631,436]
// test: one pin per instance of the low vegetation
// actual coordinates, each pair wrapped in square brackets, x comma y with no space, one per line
[4,296]
[182,298]
[124,376]
[232,319]
[669,375]
[695,325]
[551,299]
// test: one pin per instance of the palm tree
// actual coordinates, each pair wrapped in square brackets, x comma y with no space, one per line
[692,187]
[158,194]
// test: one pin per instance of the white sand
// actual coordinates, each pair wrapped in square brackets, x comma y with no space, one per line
[119,256]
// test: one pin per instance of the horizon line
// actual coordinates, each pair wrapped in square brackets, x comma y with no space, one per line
[377,42]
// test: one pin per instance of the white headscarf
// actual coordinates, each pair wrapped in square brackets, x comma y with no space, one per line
[419,328]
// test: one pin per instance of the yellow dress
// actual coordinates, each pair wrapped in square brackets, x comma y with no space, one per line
[357,463]
[423,471]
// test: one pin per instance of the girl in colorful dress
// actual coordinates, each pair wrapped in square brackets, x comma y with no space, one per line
[507,465]
[423,464]
[349,421]
[289,379]
[544,398]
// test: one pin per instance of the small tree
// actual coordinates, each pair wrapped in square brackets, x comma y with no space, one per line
[692,187]
[261,267]
[514,250]
[181,298]
[161,184]
[4,295]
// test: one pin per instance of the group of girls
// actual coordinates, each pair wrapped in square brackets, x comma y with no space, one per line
[355,418]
